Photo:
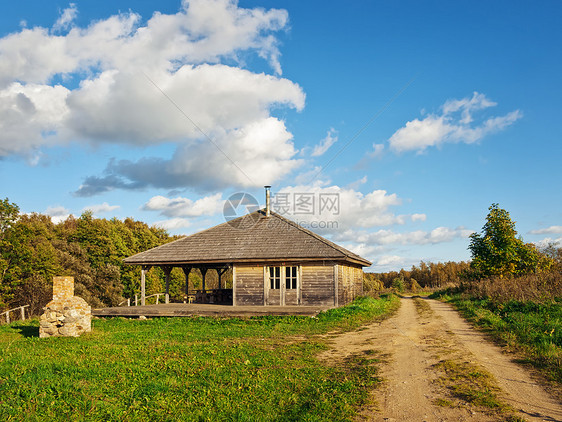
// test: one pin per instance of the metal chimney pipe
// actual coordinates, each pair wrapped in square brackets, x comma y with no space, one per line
[267,201]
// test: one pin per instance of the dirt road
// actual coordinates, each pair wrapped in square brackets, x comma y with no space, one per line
[414,346]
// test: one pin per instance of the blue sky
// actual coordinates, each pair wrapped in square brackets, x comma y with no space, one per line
[416,116]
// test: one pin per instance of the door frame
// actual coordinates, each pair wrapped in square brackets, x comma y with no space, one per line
[282,284]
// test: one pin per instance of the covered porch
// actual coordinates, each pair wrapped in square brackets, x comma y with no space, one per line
[220,295]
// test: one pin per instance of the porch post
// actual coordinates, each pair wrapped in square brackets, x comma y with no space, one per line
[336,286]
[167,271]
[186,271]
[203,274]
[220,272]
[144,269]
[233,285]
[265,285]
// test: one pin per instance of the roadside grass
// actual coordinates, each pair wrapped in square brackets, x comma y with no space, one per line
[531,329]
[464,381]
[191,369]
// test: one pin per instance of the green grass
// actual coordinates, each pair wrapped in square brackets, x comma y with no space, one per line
[470,384]
[532,329]
[186,369]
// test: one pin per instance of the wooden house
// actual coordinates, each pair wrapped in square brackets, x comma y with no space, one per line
[274,261]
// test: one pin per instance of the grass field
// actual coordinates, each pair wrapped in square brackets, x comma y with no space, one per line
[259,369]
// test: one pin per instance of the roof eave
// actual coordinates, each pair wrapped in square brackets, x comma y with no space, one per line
[363,263]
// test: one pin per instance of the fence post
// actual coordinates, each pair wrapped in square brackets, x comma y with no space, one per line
[136,300]
[129,301]
[22,309]
[8,317]
[157,297]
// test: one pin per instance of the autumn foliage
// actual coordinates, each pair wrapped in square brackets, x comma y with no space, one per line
[33,249]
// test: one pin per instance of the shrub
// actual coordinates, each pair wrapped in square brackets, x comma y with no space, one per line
[541,288]
[398,284]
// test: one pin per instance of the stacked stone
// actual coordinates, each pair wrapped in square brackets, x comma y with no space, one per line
[66,315]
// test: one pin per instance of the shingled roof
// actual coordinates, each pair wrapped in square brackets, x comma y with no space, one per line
[251,238]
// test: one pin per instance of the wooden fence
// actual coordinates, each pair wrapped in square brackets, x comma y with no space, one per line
[6,314]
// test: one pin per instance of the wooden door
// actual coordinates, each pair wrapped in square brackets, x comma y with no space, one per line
[273,286]
[282,286]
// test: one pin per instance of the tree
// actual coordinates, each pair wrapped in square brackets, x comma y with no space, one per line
[497,251]
[9,213]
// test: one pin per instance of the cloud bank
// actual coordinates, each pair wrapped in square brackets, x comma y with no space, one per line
[176,78]
[456,123]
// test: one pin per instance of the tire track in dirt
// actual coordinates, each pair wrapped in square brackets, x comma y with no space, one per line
[408,391]
[411,346]
[519,389]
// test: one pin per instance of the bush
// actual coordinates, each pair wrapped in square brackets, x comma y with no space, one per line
[414,286]
[398,284]
[540,288]
[371,284]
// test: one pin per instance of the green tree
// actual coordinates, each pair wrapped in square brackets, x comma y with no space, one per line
[9,213]
[497,251]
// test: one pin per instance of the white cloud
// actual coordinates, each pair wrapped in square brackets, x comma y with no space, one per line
[377,151]
[219,99]
[57,213]
[325,144]
[314,176]
[29,115]
[202,31]
[390,261]
[101,208]
[349,208]
[173,224]
[333,209]
[66,18]
[185,207]
[419,217]
[252,156]
[390,237]
[454,124]
[548,230]
[355,184]
[154,82]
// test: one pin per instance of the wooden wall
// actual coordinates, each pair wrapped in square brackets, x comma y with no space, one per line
[317,284]
[249,284]
[350,283]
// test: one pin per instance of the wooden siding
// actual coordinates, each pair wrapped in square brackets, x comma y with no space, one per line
[350,283]
[317,284]
[249,285]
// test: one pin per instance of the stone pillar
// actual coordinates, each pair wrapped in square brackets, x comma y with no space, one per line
[63,288]
[66,315]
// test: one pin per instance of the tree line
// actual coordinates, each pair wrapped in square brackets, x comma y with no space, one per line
[425,275]
[33,249]
[499,256]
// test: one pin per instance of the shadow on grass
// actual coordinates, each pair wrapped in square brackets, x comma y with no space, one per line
[27,330]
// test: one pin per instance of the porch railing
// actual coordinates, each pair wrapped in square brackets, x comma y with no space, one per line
[138,299]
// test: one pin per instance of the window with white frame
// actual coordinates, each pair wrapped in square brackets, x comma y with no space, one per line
[291,274]
[290,277]
[274,278]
